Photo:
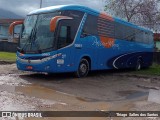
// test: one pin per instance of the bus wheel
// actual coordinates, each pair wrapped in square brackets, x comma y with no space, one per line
[138,65]
[83,68]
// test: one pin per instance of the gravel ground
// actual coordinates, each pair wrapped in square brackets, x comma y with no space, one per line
[102,90]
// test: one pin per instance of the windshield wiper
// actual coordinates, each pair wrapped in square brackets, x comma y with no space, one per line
[26,44]
[30,40]
[33,40]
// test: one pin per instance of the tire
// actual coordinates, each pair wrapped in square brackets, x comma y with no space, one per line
[138,65]
[83,69]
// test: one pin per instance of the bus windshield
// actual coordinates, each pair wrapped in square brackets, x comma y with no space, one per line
[36,35]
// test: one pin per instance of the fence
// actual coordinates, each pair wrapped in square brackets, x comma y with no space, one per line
[8,46]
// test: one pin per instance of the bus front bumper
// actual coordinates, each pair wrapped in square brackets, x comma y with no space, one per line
[47,66]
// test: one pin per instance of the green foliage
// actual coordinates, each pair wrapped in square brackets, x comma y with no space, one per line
[153,70]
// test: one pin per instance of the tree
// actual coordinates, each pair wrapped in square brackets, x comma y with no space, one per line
[141,12]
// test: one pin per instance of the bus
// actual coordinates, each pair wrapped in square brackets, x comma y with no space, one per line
[75,38]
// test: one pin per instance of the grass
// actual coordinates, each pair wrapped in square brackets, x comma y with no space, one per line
[153,70]
[6,56]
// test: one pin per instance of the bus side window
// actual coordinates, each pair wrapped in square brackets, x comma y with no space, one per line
[64,37]
[90,26]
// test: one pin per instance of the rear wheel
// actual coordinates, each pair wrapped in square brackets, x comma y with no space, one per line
[83,68]
[138,65]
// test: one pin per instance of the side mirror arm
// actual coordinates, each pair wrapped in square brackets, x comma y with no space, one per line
[11,27]
[54,21]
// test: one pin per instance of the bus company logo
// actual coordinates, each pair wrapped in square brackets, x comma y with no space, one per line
[96,42]
[106,42]
[6,114]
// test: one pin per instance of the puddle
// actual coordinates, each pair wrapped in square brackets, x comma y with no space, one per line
[132,94]
[126,93]
[137,95]
[154,96]
[27,98]
[84,99]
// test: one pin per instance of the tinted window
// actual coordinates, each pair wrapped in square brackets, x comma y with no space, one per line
[63,31]
[144,37]
[124,32]
[68,28]
[76,15]
[99,26]
[150,37]
[64,37]
[139,36]
[106,27]
[90,26]
[119,31]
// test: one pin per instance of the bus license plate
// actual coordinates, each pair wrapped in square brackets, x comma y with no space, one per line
[29,67]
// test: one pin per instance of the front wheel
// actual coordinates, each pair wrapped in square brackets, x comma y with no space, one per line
[83,68]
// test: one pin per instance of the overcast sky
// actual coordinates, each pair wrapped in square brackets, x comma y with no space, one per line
[22,7]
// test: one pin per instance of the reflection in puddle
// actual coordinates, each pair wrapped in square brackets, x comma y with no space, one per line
[132,94]
[20,98]
[137,95]
[154,96]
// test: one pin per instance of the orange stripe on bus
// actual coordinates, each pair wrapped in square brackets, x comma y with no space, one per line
[107,42]
[105,16]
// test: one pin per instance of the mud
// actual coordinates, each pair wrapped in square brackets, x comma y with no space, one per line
[100,91]
[6,62]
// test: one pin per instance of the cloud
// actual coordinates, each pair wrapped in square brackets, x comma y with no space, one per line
[95,4]
[22,7]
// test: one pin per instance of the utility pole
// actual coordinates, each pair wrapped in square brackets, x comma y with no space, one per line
[40,3]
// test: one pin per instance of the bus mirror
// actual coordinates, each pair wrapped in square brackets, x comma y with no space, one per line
[11,27]
[55,20]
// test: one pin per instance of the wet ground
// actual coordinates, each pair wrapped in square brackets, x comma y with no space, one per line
[100,91]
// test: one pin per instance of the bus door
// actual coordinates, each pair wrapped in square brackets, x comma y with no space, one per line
[64,37]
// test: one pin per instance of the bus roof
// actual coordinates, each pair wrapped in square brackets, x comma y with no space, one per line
[84,9]
[63,7]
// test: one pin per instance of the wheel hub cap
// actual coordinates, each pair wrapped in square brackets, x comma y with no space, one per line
[83,68]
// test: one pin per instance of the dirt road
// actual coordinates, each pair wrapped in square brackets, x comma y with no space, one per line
[102,90]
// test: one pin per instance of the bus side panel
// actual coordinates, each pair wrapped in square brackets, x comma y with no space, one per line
[123,54]
[88,50]
[128,56]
